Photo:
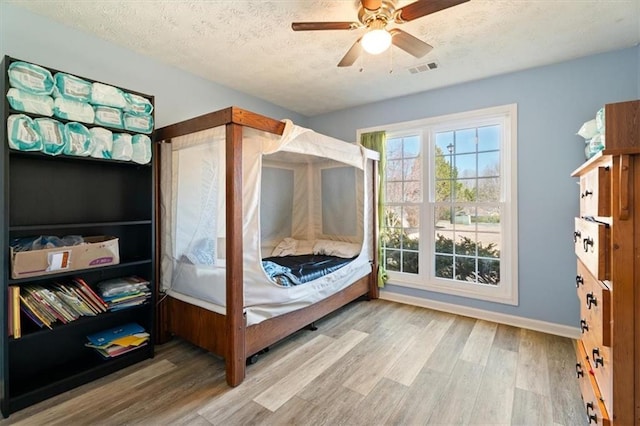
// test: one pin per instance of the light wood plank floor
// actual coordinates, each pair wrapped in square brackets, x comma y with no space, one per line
[371,363]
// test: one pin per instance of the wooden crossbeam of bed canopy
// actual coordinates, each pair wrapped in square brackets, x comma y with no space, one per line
[227,335]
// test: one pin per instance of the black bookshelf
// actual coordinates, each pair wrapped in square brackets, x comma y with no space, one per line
[66,195]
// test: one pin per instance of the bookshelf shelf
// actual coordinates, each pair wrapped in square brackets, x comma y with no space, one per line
[68,195]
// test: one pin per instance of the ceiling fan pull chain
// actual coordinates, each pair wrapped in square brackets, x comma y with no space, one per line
[390,61]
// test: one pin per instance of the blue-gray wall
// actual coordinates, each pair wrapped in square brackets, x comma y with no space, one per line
[553,102]
[178,95]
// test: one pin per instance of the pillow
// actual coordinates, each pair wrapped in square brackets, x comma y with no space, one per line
[305,247]
[287,247]
[337,248]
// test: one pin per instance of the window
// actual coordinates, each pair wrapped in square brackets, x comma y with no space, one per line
[450,220]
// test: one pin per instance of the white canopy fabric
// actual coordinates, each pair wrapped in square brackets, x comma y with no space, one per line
[193,222]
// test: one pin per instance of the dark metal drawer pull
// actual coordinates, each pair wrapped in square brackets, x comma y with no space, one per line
[576,236]
[593,417]
[586,193]
[579,371]
[597,359]
[591,300]
[579,280]
[584,326]
[586,242]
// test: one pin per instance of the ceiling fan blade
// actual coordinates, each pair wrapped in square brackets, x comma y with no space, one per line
[422,8]
[410,44]
[371,4]
[312,26]
[352,55]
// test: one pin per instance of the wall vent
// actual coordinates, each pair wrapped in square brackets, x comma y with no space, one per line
[428,66]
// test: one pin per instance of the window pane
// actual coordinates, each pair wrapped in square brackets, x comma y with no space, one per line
[444,266]
[465,141]
[411,146]
[412,193]
[488,219]
[444,217]
[444,168]
[488,245]
[412,169]
[392,260]
[444,143]
[411,239]
[394,148]
[411,216]
[394,170]
[394,192]
[488,138]
[489,271]
[392,238]
[465,269]
[465,190]
[410,262]
[392,216]
[489,190]
[465,243]
[466,165]
[444,190]
[489,164]
[444,242]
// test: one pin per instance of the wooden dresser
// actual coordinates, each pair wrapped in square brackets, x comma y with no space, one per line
[607,244]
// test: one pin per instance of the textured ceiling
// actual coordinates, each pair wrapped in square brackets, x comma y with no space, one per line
[249,45]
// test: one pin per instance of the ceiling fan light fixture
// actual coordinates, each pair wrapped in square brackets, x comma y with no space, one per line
[376,41]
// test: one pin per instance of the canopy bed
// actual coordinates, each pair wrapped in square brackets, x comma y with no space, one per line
[265,227]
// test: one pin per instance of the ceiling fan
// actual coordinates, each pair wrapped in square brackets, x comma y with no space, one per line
[375,15]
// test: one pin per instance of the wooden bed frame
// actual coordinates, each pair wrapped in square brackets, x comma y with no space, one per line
[228,335]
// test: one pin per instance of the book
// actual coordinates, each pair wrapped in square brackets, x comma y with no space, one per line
[32,312]
[92,295]
[14,308]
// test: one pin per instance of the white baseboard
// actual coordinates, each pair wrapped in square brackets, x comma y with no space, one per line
[528,323]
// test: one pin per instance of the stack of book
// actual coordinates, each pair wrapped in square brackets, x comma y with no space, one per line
[118,341]
[56,302]
[124,292]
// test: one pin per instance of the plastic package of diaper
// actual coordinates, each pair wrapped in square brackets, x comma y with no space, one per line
[73,110]
[30,78]
[52,135]
[122,147]
[588,129]
[108,116]
[28,102]
[22,134]
[101,142]
[138,123]
[77,140]
[137,105]
[600,120]
[103,94]
[71,87]
[141,153]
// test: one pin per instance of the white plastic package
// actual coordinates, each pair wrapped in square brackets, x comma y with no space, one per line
[588,129]
[122,147]
[600,120]
[22,134]
[108,116]
[71,87]
[73,110]
[137,105]
[28,102]
[101,142]
[52,134]
[77,140]
[103,94]
[138,123]
[141,145]
[30,78]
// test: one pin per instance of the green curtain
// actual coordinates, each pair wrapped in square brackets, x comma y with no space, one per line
[377,141]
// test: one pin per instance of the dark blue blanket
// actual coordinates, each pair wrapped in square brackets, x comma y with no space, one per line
[295,270]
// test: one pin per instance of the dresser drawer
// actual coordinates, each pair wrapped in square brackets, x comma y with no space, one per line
[591,245]
[600,367]
[595,305]
[595,192]
[596,411]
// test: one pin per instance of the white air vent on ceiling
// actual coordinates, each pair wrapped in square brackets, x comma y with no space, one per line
[428,66]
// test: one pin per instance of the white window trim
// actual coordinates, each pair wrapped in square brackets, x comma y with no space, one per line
[507,291]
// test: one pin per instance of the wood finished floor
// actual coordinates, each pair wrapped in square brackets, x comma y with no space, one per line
[371,363]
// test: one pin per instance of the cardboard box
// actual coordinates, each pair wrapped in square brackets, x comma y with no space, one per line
[94,253]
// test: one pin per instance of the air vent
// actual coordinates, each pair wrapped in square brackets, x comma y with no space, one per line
[424,67]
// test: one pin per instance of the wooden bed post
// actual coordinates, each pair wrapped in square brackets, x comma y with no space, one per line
[235,357]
